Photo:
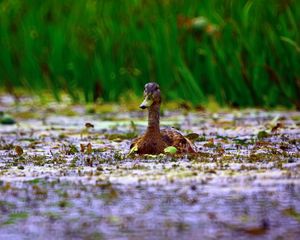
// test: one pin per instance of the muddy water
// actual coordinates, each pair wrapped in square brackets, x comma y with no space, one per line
[62,180]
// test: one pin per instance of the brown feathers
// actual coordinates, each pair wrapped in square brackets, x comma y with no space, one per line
[155,141]
[155,144]
[174,138]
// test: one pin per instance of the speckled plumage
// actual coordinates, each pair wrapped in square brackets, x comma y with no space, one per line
[154,141]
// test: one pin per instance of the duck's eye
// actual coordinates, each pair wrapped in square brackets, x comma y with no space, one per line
[147,95]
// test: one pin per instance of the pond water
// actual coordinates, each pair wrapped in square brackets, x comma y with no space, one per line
[62,180]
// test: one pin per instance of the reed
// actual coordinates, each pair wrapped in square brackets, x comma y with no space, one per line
[242,52]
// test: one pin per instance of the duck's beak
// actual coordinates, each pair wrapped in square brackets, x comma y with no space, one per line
[146,103]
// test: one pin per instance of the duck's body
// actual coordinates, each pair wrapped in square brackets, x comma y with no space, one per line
[155,144]
[154,141]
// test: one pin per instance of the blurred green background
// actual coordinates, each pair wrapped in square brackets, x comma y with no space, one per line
[239,52]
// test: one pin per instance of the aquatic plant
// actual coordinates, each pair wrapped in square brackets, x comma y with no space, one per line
[244,53]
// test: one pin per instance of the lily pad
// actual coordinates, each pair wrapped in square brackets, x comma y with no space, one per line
[7,119]
[170,150]
[262,134]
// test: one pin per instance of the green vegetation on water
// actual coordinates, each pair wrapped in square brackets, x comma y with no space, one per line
[242,52]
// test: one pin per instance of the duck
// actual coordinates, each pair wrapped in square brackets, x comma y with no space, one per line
[155,140]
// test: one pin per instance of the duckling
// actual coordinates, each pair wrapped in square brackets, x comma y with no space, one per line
[154,141]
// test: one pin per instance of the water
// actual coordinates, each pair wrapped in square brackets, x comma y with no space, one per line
[238,186]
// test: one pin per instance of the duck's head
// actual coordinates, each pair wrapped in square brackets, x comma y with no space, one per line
[151,95]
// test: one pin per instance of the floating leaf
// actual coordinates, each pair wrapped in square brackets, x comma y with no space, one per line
[117,137]
[170,149]
[210,143]
[240,141]
[291,212]
[82,147]
[262,134]
[89,148]
[7,119]
[19,150]
[15,216]
[259,230]
[71,149]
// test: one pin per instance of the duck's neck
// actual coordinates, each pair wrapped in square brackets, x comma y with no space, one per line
[153,119]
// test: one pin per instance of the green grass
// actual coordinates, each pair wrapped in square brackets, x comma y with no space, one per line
[242,52]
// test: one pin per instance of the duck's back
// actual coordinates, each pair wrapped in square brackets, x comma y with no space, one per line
[173,137]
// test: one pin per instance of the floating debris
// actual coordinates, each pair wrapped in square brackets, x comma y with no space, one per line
[244,180]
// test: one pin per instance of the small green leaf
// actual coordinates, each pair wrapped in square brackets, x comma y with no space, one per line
[262,134]
[7,119]
[170,149]
[291,212]
[13,217]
